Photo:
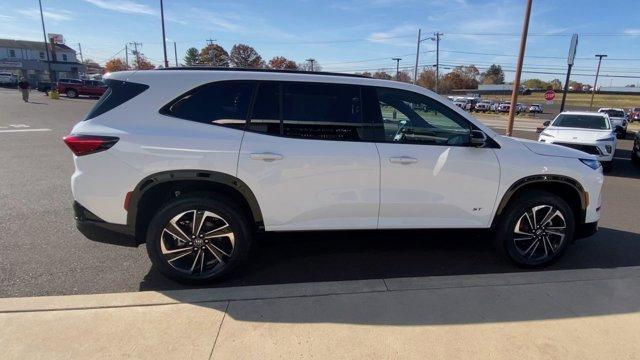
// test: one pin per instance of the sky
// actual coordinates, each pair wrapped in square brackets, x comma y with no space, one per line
[354,35]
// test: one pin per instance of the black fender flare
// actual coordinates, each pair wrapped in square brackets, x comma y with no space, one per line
[156,179]
[544,179]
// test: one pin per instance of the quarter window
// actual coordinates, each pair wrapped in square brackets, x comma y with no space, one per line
[223,103]
[412,118]
[322,111]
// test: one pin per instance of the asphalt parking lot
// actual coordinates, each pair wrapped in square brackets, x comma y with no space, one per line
[41,252]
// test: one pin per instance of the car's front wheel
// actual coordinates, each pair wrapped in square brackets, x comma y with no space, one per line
[71,93]
[536,229]
[198,240]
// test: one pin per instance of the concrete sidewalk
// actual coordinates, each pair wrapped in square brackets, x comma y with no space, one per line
[573,314]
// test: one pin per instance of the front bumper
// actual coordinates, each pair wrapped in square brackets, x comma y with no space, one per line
[585,230]
[602,150]
[96,229]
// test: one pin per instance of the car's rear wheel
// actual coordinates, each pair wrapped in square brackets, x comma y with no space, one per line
[536,229]
[71,93]
[198,240]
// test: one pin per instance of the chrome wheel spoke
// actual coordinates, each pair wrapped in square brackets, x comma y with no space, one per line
[178,257]
[166,252]
[537,243]
[195,261]
[215,252]
[219,232]
[174,229]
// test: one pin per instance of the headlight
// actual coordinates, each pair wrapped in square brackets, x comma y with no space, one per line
[544,133]
[594,164]
[608,139]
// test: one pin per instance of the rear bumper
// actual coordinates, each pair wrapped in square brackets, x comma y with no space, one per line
[96,229]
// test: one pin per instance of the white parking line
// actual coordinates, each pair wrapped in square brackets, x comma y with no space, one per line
[23,130]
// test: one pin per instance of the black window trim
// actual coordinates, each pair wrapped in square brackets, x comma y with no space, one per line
[371,129]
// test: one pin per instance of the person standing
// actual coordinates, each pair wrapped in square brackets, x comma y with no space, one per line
[23,85]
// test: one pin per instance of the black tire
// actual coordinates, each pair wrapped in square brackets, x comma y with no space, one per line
[553,246]
[634,157]
[215,260]
[71,93]
[622,135]
[607,166]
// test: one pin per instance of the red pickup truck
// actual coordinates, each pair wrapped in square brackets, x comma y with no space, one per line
[74,88]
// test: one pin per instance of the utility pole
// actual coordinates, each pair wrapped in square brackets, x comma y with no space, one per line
[175,52]
[126,55]
[397,60]
[437,35]
[415,71]
[46,47]
[516,80]
[164,38]
[136,53]
[570,60]
[212,53]
[311,61]
[80,51]
[595,83]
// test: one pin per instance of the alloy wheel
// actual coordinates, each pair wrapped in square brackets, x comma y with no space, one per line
[540,233]
[197,242]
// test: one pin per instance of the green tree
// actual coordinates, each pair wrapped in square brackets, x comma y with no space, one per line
[192,57]
[556,84]
[214,55]
[244,56]
[493,75]
[536,84]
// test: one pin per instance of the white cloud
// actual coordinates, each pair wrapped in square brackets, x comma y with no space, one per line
[632,31]
[124,6]
[55,15]
[397,36]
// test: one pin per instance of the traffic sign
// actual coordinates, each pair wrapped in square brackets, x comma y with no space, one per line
[549,95]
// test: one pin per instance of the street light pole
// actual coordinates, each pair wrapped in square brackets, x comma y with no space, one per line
[516,81]
[595,83]
[438,34]
[397,60]
[415,71]
[164,38]
[46,47]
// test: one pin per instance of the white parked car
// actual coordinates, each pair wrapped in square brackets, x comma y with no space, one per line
[618,120]
[590,132]
[8,79]
[195,162]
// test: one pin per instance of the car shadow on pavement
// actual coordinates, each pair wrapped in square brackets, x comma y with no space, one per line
[337,256]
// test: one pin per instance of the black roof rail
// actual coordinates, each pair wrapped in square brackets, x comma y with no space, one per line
[211,68]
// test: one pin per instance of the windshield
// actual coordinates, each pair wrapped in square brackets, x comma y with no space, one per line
[613,113]
[581,121]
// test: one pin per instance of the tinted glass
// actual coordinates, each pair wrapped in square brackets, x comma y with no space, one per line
[581,121]
[613,113]
[412,118]
[265,117]
[118,93]
[322,111]
[223,103]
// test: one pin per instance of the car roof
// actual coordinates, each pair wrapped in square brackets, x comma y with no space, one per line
[591,113]
[605,109]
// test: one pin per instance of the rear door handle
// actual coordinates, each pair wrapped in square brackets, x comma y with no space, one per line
[404,160]
[266,156]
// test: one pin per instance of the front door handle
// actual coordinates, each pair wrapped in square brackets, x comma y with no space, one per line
[266,156]
[404,160]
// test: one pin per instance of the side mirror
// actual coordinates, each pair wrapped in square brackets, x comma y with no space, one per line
[546,123]
[478,138]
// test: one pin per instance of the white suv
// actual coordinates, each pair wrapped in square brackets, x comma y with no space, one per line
[196,162]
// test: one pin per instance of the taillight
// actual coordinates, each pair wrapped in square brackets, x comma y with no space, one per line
[88,144]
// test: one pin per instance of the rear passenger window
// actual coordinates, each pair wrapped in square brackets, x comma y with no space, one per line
[322,111]
[265,117]
[223,103]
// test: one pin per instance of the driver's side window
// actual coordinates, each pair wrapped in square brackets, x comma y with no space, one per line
[412,118]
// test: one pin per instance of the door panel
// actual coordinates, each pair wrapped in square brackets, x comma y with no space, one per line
[442,187]
[430,175]
[305,184]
